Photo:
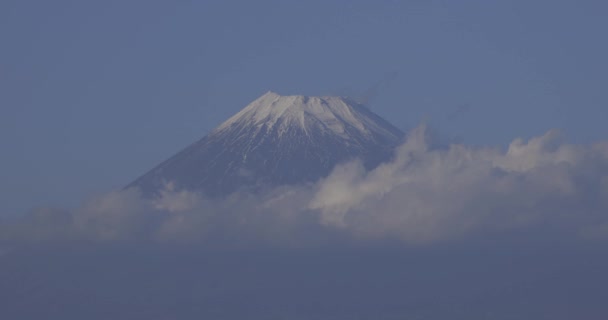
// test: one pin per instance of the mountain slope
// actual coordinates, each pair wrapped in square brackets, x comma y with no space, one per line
[277,140]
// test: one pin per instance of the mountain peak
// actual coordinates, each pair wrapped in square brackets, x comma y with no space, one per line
[331,114]
[277,140]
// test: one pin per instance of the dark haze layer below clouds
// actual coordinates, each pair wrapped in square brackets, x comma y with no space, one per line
[439,232]
[105,282]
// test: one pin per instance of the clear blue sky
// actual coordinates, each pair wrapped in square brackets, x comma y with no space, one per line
[95,93]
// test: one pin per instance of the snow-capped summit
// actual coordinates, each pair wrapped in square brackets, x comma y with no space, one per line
[336,114]
[277,140]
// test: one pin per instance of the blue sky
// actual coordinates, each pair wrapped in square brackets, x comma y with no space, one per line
[94,93]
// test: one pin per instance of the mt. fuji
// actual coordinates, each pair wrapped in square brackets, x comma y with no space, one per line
[277,140]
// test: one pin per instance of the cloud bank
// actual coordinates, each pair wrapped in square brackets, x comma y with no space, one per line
[426,194]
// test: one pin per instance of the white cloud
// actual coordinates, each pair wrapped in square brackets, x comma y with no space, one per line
[432,194]
[424,195]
